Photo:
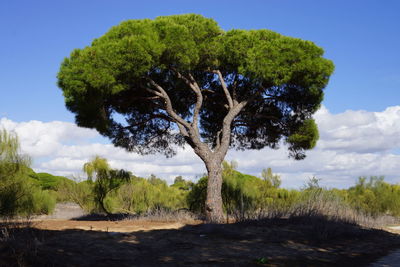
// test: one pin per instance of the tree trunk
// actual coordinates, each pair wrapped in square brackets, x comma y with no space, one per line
[214,211]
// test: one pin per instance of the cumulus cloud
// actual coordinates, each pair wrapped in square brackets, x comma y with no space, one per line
[352,144]
[41,139]
[359,131]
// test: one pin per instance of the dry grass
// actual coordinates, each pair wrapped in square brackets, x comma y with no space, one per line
[326,216]
[157,215]
[162,215]
[18,241]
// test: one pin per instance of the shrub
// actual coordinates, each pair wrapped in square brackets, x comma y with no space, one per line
[19,195]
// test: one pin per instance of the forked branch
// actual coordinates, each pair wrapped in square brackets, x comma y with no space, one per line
[168,104]
[188,130]
[191,82]
[225,88]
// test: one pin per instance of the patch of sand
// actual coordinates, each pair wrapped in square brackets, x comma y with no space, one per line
[106,226]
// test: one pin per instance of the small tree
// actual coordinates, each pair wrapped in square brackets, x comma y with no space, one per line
[12,166]
[107,180]
[273,179]
[182,184]
[18,194]
[95,168]
[181,79]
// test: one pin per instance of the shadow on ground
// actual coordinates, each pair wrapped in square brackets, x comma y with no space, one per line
[295,242]
[105,217]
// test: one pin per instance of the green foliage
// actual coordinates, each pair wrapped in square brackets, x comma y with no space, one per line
[143,195]
[182,184]
[80,193]
[305,137]
[48,181]
[375,196]
[154,180]
[283,76]
[19,195]
[197,196]
[95,166]
[242,193]
[272,179]
[107,180]
[42,202]
[144,79]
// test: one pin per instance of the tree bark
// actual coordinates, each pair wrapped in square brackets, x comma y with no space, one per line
[190,131]
[214,211]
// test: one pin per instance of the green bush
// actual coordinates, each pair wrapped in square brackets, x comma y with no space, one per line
[19,194]
[142,195]
[48,181]
[374,196]
[80,193]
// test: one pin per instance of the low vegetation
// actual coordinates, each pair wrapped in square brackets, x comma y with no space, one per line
[24,192]
[318,215]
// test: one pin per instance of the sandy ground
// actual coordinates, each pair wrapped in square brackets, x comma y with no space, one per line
[105,226]
[62,242]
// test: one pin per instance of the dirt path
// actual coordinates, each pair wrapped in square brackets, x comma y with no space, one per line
[64,211]
[281,242]
[105,226]
[145,243]
[393,258]
[71,216]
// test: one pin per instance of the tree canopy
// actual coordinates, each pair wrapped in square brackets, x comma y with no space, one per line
[153,85]
[283,77]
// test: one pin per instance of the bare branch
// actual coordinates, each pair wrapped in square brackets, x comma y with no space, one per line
[234,95]
[207,91]
[168,104]
[185,128]
[227,126]
[199,102]
[191,82]
[154,116]
[225,88]
[154,92]
[218,140]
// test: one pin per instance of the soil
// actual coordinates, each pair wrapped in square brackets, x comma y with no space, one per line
[281,242]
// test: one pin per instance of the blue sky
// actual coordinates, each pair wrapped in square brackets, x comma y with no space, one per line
[361,37]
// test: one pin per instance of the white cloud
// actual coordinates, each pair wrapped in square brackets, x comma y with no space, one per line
[359,131]
[39,139]
[352,143]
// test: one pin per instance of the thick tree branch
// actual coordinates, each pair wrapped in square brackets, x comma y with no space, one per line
[199,102]
[185,128]
[218,137]
[234,95]
[154,92]
[168,104]
[191,82]
[227,123]
[225,88]
[227,126]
